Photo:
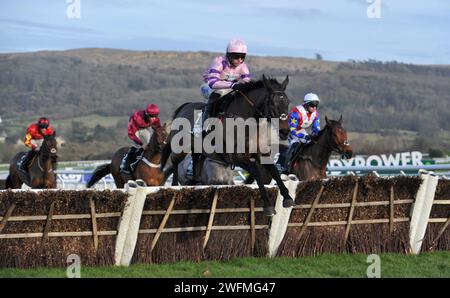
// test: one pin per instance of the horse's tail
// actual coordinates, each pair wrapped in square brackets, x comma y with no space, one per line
[99,173]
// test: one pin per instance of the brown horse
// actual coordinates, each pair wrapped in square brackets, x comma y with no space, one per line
[41,170]
[147,168]
[311,160]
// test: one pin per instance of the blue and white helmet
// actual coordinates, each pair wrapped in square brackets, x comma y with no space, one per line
[311,97]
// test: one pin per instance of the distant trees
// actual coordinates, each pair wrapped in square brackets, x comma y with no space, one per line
[371,95]
[434,152]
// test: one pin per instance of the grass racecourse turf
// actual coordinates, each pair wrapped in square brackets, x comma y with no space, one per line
[435,264]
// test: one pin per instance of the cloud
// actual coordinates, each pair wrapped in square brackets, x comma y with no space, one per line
[43,26]
[366,3]
[297,13]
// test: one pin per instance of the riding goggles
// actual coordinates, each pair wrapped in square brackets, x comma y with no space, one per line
[236,56]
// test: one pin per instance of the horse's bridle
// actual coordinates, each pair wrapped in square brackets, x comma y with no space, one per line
[335,146]
[265,113]
[48,151]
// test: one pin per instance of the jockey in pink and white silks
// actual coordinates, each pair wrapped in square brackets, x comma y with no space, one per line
[225,74]
[302,117]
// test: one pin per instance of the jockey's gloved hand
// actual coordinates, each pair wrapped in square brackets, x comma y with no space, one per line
[308,138]
[237,86]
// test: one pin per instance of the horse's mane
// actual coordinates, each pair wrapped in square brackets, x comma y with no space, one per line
[257,84]
[322,131]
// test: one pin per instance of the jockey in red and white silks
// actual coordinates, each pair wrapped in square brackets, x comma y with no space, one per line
[141,125]
[140,130]
[302,117]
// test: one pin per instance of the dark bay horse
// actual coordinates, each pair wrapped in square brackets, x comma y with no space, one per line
[259,100]
[148,168]
[41,170]
[311,160]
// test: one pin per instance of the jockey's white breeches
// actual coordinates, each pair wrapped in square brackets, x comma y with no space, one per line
[38,143]
[294,139]
[144,135]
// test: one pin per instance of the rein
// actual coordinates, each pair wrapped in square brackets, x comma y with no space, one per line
[252,103]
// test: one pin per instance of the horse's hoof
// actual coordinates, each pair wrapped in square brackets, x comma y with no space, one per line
[269,211]
[288,203]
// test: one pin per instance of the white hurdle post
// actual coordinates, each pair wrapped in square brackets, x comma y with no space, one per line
[280,220]
[130,222]
[124,221]
[422,209]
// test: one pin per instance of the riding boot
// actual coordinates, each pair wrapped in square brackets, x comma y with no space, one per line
[209,108]
[293,149]
[206,114]
[133,159]
[26,160]
[125,166]
[281,162]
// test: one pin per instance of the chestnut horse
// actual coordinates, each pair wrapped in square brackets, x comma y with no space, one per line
[41,170]
[147,168]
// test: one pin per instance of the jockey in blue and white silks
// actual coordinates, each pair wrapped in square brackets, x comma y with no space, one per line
[302,117]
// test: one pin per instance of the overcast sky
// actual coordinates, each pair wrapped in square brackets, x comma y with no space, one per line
[411,31]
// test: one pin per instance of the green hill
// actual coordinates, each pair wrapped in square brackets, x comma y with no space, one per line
[90,93]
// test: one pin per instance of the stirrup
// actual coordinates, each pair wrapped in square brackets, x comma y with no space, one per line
[125,171]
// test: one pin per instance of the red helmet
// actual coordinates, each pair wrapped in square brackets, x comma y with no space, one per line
[152,110]
[43,122]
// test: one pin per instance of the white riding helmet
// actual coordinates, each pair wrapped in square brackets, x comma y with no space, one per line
[311,97]
[237,46]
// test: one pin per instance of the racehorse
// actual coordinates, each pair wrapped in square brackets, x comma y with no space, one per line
[259,100]
[311,160]
[41,170]
[147,166]
[211,172]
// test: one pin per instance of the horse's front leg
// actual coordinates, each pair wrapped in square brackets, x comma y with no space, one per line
[195,166]
[287,200]
[252,168]
[176,159]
